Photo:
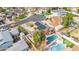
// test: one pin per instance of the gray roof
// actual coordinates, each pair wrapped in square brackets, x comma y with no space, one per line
[5,40]
[14,31]
[5,37]
[18,46]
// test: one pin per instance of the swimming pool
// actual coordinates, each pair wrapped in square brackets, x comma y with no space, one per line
[58,47]
[52,38]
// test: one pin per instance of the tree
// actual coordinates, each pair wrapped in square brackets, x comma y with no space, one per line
[49,11]
[67,19]
[2,9]
[30,24]
[39,36]
[39,39]
[22,29]
[54,8]
[67,8]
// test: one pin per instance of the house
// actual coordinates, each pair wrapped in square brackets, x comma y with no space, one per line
[6,40]
[14,31]
[74,11]
[55,21]
[1,20]
[40,25]
[59,12]
[19,46]
[75,48]
[76,19]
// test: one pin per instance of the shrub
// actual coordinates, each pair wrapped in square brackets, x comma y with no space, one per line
[69,44]
[22,29]
[39,36]
[30,24]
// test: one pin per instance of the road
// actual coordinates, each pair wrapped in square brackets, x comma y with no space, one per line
[25,20]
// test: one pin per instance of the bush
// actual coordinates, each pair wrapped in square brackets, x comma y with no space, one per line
[30,24]
[21,16]
[22,29]
[39,36]
[69,44]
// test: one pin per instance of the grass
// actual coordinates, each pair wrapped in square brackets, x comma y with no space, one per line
[74,15]
[46,13]
[69,44]
[21,17]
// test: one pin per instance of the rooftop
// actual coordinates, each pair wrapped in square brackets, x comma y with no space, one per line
[19,46]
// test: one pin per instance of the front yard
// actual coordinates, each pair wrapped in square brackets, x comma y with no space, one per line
[21,17]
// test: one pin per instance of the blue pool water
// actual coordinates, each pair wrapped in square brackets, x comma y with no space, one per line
[51,38]
[58,47]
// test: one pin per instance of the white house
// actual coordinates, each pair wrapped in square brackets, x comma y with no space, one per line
[5,40]
[19,46]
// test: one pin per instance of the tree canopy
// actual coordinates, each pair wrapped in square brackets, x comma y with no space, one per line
[67,19]
[39,36]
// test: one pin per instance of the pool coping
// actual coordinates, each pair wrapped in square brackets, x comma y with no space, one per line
[52,41]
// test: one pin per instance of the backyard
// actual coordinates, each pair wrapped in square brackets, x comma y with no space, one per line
[68,43]
[74,33]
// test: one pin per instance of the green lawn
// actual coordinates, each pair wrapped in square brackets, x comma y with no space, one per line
[46,13]
[21,17]
[74,15]
[69,44]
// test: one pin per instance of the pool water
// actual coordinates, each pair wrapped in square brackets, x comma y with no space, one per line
[52,38]
[58,47]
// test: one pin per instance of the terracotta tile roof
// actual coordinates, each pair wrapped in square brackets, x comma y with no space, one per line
[75,48]
[56,20]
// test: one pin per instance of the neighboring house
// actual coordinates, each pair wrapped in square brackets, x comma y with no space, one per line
[14,31]
[75,48]
[76,19]
[40,25]
[74,11]
[73,24]
[19,46]
[59,12]
[1,20]
[6,40]
[55,21]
